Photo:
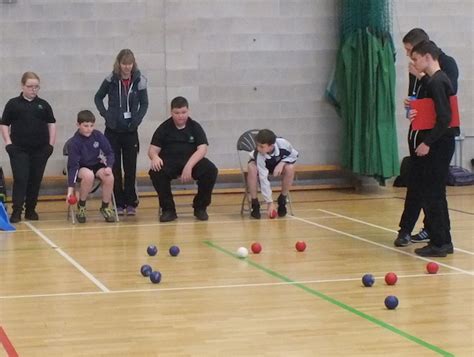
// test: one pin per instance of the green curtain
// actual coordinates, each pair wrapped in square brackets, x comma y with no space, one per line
[364,93]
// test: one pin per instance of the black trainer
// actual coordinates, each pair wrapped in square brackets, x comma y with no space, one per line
[31,215]
[432,251]
[255,211]
[15,216]
[449,248]
[421,237]
[403,239]
[201,214]
[168,216]
[282,206]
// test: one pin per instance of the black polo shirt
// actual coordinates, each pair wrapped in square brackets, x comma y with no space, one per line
[28,121]
[178,144]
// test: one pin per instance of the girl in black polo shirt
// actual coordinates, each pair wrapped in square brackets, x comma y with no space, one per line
[29,132]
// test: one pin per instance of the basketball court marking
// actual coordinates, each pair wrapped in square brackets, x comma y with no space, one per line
[382,245]
[120,226]
[7,345]
[156,224]
[379,227]
[210,287]
[79,267]
[333,301]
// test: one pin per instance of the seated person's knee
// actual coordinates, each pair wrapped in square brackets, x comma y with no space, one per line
[105,178]
[86,174]
[214,170]
[288,169]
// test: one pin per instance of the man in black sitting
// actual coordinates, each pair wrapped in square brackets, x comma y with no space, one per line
[178,148]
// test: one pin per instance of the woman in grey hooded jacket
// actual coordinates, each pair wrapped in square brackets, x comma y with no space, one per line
[126,89]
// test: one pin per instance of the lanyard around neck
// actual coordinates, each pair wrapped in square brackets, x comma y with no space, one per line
[128,94]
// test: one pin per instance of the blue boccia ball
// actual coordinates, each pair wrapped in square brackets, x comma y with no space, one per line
[174,251]
[391,302]
[146,270]
[152,250]
[368,280]
[155,277]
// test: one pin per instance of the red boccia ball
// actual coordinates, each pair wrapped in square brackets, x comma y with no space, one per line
[432,267]
[391,278]
[300,246]
[256,248]
[72,200]
[273,214]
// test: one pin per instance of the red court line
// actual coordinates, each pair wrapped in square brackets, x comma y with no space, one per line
[7,345]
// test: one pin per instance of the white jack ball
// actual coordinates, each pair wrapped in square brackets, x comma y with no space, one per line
[242,252]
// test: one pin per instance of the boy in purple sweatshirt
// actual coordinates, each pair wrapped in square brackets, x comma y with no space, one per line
[90,156]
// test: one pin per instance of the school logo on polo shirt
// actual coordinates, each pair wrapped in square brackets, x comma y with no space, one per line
[40,106]
[191,139]
[96,144]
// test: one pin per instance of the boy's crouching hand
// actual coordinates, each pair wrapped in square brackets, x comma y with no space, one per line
[107,171]
[270,208]
[277,171]
[69,194]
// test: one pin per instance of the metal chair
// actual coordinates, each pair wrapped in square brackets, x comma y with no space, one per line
[71,213]
[246,144]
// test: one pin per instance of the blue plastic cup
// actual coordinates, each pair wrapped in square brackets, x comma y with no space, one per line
[408,108]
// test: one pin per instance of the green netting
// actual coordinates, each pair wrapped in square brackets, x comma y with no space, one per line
[363,89]
[374,15]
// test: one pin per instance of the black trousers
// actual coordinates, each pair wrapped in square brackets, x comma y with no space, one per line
[204,172]
[28,166]
[413,204]
[427,184]
[126,147]
[411,210]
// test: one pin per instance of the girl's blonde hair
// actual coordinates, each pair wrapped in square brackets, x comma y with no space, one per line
[125,56]
[29,75]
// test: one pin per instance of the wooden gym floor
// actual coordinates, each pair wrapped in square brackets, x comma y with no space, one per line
[76,290]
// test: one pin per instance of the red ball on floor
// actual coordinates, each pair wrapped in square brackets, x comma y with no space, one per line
[300,246]
[256,248]
[432,267]
[391,278]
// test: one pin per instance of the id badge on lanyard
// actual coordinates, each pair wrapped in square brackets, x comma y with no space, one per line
[128,113]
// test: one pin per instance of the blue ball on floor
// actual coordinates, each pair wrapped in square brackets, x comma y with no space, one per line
[152,250]
[368,280]
[174,251]
[391,302]
[146,270]
[155,277]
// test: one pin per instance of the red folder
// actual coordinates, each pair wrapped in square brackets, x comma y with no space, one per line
[426,115]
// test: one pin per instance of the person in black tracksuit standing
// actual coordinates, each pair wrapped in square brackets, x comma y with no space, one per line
[126,89]
[434,151]
[417,88]
[29,132]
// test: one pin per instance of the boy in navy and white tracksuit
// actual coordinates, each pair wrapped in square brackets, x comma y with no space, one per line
[273,156]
